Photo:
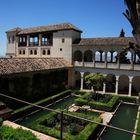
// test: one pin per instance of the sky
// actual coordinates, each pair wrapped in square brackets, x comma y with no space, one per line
[96,18]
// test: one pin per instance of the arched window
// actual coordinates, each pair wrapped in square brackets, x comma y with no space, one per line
[97,56]
[20,52]
[44,52]
[35,52]
[23,51]
[31,52]
[78,56]
[88,56]
[48,52]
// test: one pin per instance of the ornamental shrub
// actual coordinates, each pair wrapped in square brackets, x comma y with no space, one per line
[8,133]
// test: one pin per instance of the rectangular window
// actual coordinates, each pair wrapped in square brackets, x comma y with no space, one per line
[9,39]
[13,39]
[63,40]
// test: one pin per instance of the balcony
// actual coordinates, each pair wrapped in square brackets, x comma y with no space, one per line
[107,65]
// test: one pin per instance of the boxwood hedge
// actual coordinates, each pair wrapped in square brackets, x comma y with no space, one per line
[90,128]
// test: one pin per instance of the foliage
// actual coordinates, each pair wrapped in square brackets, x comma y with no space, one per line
[95,79]
[107,104]
[127,99]
[8,133]
[74,126]
[1,121]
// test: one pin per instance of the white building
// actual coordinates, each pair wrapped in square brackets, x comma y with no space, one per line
[86,55]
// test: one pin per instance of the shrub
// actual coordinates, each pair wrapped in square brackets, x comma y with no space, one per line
[81,101]
[77,129]
[1,121]
[127,99]
[107,103]
[8,133]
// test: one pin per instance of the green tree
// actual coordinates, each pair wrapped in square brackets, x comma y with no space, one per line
[95,80]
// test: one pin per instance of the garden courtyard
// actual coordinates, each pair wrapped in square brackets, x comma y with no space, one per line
[73,114]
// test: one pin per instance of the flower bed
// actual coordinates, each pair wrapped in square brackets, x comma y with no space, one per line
[73,128]
[102,102]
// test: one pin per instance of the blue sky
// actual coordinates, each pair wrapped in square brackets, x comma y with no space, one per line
[96,18]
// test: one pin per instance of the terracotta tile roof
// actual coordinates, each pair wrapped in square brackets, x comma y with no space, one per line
[55,27]
[19,65]
[109,41]
[14,30]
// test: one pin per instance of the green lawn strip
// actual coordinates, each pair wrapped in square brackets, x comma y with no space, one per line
[8,133]
[46,100]
[84,134]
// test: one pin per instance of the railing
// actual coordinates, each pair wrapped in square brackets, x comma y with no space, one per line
[108,65]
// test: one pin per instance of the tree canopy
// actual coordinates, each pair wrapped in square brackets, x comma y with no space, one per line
[95,79]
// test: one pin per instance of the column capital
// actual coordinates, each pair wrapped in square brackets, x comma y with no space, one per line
[82,74]
[130,78]
[117,78]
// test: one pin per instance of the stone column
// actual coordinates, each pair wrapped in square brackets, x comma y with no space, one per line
[117,84]
[134,58]
[104,88]
[132,63]
[111,56]
[105,59]
[82,80]
[93,59]
[40,39]
[101,56]
[28,40]
[130,86]
[118,61]
[82,59]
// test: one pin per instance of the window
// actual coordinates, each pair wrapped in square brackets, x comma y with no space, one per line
[63,40]
[48,52]
[9,39]
[35,52]
[13,39]
[20,52]
[60,49]
[44,52]
[31,52]
[23,51]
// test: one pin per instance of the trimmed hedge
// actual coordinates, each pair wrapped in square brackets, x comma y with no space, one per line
[28,109]
[83,135]
[8,133]
[109,106]
[128,99]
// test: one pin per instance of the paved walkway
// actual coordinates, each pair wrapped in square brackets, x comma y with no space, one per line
[106,116]
[40,136]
